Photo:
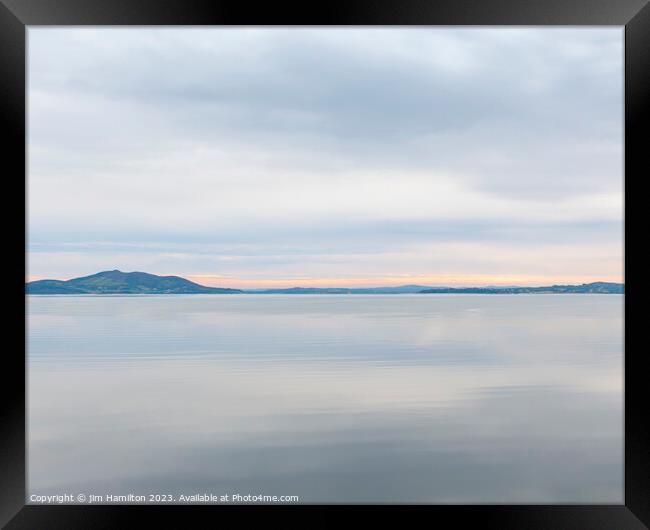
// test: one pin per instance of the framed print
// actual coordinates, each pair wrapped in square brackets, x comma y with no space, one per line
[372,261]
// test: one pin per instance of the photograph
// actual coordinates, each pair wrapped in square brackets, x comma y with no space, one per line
[294,265]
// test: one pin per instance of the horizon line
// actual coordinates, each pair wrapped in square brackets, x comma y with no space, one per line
[433,281]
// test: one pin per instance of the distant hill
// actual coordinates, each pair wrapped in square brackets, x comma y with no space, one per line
[118,282]
[401,289]
[585,288]
[597,287]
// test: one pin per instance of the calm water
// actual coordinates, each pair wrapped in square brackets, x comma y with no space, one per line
[404,398]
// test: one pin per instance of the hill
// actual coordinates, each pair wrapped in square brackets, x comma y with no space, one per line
[585,288]
[118,282]
[402,289]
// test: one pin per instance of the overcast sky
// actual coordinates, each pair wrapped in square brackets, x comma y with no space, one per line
[327,156]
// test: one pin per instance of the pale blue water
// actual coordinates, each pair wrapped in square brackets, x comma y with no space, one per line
[350,398]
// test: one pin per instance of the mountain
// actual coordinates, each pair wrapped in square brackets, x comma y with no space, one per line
[118,282]
[401,289]
[585,288]
[596,287]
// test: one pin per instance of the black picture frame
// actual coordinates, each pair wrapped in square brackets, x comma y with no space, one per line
[16,15]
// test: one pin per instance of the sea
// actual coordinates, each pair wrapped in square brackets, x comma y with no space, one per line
[417,398]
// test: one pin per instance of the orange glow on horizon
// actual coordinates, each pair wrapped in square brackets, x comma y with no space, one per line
[443,280]
[451,280]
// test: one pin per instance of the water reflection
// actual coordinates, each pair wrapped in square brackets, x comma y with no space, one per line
[414,398]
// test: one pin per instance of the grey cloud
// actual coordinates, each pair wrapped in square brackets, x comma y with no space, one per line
[324,92]
[342,235]
[119,118]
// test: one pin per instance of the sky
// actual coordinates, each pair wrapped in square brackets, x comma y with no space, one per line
[271,157]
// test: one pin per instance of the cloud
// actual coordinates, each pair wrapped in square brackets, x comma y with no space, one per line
[324,138]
